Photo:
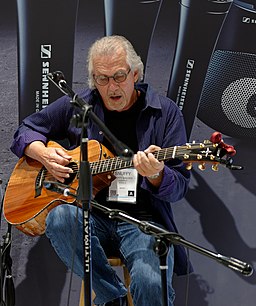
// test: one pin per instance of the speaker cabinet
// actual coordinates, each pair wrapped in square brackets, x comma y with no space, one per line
[228,99]
[46,35]
[199,27]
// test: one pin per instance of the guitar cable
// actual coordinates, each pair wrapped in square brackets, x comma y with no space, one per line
[73,256]
[7,290]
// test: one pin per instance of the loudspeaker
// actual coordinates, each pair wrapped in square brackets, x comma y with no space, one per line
[228,99]
[46,34]
[199,26]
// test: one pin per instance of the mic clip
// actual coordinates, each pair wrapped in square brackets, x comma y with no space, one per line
[58,79]
[59,188]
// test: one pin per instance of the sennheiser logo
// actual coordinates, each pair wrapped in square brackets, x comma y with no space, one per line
[248,20]
[46,54]
[183,90]
[190,64]
[46,51]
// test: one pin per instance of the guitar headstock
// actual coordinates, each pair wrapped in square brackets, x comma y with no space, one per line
[213,151]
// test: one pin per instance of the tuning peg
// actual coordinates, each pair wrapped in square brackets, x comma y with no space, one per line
[199,156]
[189,166]
[215,167]
[201,166]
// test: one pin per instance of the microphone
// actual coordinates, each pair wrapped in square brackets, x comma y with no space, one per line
[58,79]
[59,188]
[122,150]
[56,76]
[236,264]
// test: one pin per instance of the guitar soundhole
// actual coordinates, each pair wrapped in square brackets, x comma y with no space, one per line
[73,175]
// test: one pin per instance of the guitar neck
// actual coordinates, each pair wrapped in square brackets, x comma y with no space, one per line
[116,163]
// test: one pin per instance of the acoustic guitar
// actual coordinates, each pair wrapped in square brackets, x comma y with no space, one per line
[27,201]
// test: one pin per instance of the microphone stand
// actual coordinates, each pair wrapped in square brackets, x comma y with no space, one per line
[84,190]
[163,241]
[83,196]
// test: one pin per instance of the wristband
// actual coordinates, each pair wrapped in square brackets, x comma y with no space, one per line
[155,176]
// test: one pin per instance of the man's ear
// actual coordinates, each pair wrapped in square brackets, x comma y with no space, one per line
[135,76]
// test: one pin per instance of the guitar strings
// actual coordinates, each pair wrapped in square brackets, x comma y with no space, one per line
[115,163]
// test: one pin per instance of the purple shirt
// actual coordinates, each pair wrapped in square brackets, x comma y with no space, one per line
[160,123]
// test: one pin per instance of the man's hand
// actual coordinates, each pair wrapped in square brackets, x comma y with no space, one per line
[54,159]
[147,165]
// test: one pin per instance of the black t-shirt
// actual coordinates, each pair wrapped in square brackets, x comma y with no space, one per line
[123,126]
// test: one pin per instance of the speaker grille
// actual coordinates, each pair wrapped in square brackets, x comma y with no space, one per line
[228,99]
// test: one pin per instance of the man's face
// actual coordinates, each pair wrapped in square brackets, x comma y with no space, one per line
[116,96]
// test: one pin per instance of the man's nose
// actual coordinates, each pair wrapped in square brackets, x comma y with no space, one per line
[112,83]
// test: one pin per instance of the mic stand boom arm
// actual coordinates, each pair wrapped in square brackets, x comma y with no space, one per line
[58,79]
[175,238]
[164,238]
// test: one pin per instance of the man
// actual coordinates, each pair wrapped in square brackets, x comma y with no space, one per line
[145,121]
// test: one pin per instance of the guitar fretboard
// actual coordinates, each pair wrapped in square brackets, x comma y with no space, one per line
[117,163]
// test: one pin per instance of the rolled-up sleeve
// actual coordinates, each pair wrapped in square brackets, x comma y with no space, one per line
[23,137]
[169,131]
[50,123]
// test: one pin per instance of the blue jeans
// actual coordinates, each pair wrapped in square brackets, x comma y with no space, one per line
[65,231]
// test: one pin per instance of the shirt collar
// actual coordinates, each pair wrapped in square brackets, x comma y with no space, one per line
[151,96]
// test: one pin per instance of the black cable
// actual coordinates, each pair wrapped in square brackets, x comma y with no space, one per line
[7,290]
[7,284]
[73,256]
[187,279]
[2,303]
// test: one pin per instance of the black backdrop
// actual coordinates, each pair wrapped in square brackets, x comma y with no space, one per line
[218,212]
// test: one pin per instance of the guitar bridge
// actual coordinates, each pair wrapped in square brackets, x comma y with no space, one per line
[39,182]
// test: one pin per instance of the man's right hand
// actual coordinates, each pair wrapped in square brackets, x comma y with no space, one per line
[54,159]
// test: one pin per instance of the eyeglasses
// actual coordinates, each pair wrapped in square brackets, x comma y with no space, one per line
[118,77]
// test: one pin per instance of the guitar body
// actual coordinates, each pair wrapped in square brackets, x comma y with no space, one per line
[27,203]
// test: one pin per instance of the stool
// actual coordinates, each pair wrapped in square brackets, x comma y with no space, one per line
[114,262]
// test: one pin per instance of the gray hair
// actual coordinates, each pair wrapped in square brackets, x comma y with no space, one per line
[109,45]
